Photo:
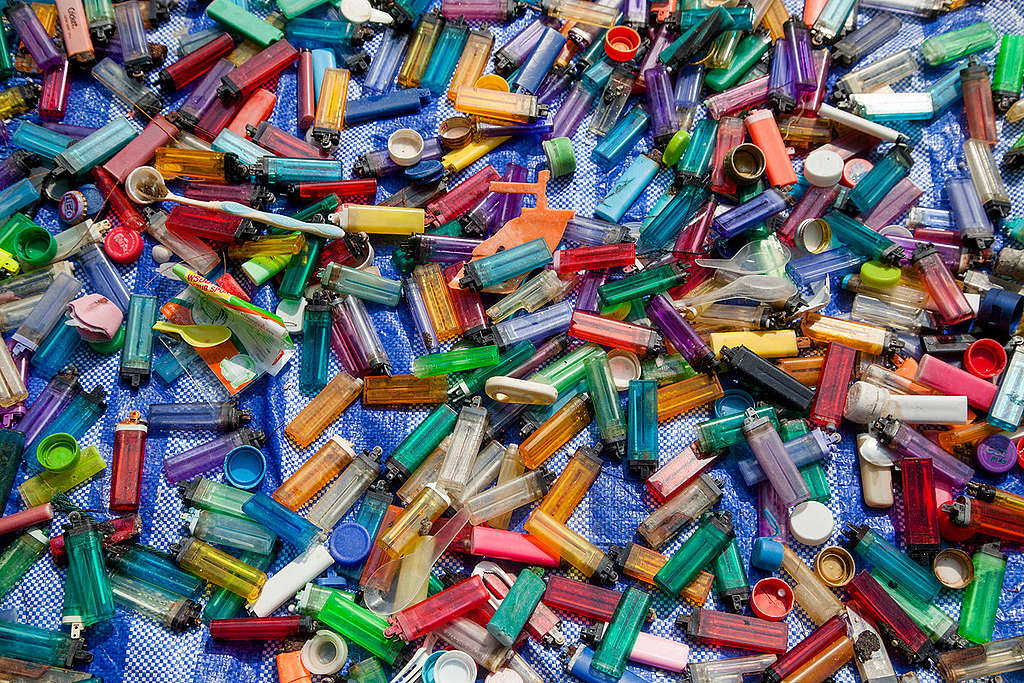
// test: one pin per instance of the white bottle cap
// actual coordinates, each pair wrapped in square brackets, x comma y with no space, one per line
[811,523]
[625,367]
[325,653]
[455,666]
[405,147]
[823,168]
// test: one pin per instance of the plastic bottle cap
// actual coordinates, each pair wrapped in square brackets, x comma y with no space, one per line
[454,666]
[427,673]
[813,235]
[456,131]
[854,170]
[1020,452]
[771,599]
[325,653]
[996,454]
[123,245]
[561,156]
[405,147]
[58,452]
[835,566]
[245,467]
[349,543]
[985,358]
[811,523]
[953,568]
[621,43]
[744,163]
[877,274]
[823,168]
[734,401]
[625,367]
[767,554]
[108,347]
[492,82]
[35,246]
[675,147]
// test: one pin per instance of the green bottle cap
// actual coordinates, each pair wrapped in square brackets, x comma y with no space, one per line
[108,347]
[561,157]
[877,274]
[58,452]
[34,246]
[675,148]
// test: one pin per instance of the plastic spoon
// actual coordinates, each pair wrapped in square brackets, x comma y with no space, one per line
[402,582]
[764,288]
[753,258]
[145,185]
[196,336]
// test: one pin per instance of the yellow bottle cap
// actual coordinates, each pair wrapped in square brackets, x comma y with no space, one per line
[492,82]
[877,274]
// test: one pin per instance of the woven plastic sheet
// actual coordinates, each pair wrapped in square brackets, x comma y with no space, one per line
[134,650]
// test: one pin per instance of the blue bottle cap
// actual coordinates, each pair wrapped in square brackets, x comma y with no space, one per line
[425,171]
[734,401]
[349,543]
[428,667]
[245,467]
[767,554]
[1000,311]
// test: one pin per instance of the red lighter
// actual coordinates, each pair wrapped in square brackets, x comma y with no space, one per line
[126,470]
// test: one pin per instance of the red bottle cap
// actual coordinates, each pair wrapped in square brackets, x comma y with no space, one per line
[771,599]
[854,170]
[123,245]
[985,358]
[621,43]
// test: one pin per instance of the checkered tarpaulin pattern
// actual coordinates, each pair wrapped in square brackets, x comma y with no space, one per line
[134,650]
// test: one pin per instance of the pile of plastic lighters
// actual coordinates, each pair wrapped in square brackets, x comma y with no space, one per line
[530,325]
